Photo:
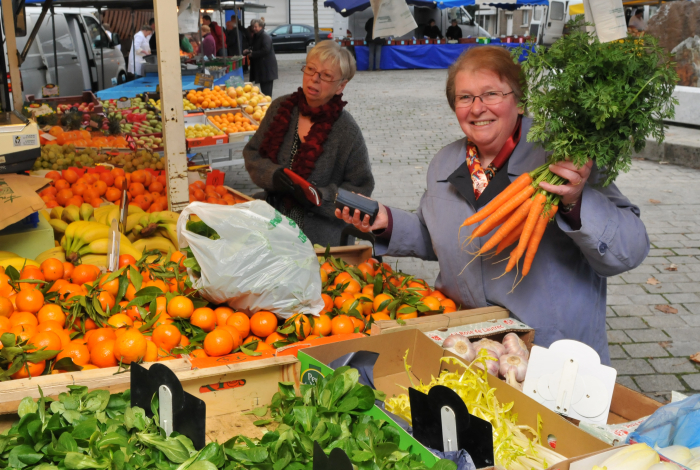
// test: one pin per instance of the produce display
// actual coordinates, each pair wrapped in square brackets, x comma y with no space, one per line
[201,130]
[228,98]
[60,157]
[82,107]
[93,429]
[507,359]
[70,188]
[199,191]
[580,113]
[513,450]
[135,160]
[232,123]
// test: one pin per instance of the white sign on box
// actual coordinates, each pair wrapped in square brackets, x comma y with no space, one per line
[569,379]
[608,16]
[391,18]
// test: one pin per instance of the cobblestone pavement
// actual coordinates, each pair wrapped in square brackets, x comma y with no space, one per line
[653,311]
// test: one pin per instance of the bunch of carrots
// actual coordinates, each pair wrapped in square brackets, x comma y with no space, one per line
[523,211]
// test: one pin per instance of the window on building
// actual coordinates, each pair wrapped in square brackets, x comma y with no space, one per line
[526,18]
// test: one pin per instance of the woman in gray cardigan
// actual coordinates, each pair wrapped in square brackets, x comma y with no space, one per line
[597,232]
[311,134]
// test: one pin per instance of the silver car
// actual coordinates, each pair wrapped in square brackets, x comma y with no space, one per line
[87,59]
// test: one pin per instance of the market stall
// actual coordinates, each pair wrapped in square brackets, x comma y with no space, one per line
[422,56]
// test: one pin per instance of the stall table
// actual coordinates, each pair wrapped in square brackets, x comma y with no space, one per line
[422,56]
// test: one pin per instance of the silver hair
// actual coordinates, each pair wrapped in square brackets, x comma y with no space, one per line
[340,57]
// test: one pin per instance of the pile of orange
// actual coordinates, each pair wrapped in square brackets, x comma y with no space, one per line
[199,191]
[69,188]
[233,123]
[83,138]
[211,98]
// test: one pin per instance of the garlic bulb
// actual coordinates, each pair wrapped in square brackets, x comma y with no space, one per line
[491,366]
[496,348]
[515,345]
[679,454]
[513,369]
[460,346]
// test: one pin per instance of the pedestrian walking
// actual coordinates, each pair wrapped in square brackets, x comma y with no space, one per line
[236,41]
[374,46]
[139,49]
[218,35]
[208,42]
[263,63]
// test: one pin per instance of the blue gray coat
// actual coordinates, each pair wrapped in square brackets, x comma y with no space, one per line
[563,296]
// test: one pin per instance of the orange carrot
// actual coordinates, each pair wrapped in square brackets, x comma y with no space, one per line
[536,238]
[511,238]
[535,212]
[512,189]
[510,225]
[500,214]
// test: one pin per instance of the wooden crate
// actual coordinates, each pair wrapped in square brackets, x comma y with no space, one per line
[353,254]
[239,194]
[13,391]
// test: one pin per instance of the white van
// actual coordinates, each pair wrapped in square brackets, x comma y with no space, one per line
[78,53]
[548,22]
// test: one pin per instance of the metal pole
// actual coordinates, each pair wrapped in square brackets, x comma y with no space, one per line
[172,112]
[103,35]
[55,54]
[133,46]
[12,54]
[35,30]
[222,17]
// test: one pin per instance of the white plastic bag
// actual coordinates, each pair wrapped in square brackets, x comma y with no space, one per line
[262,261]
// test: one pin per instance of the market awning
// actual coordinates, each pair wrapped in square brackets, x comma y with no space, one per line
[141,4]
[348,7]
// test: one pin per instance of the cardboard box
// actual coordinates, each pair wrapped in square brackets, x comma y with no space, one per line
[19,198]
[424,358]
[194,119]
[236,136]
[354,254]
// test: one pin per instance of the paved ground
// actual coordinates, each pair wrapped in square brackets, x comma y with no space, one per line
[653,311]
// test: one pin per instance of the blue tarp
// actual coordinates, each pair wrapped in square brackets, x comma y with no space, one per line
[149,82]
[348,7]
[425,56]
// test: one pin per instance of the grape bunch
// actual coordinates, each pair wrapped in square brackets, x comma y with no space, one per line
[60,157]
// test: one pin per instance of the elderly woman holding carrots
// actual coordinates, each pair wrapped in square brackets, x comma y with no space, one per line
[596,232]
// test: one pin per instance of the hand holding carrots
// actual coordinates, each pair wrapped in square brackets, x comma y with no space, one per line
[577,177]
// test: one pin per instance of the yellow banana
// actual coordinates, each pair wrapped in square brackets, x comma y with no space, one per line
[131,221]
[56,212]
[111,215]
[170,232]
[99,247]
[59,226]
[7,255]
[57,252]
[89,232]
[71,214]
[101,213]
[75,227]
[86,211]
[18,263]
[45,214]
[163,217]
[97,260]
[154,243]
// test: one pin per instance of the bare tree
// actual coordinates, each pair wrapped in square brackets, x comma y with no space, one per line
[316,20]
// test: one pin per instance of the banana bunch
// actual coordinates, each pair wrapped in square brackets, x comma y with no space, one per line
[57,252]
[157,230]
[60,217]
[7,258]
[85,238]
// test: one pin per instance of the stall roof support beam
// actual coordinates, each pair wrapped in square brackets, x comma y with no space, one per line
[35,30]
[172,112]
[12,54]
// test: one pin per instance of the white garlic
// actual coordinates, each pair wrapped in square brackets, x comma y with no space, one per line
[460,346]
[515,345]
[496,348]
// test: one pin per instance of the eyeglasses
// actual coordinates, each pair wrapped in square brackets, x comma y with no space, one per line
[488,98]
[325,76]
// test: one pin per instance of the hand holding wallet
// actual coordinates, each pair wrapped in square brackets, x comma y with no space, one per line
[304,192]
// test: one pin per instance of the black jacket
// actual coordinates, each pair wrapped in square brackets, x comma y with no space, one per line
[454,32]
[152,43]
[369,27]
[433,32]
[263,63]
[236,42]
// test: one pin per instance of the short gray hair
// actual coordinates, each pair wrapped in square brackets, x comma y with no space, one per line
[340,57]
[257,22]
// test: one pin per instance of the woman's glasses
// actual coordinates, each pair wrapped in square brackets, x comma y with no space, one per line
[490,97]
[325,76]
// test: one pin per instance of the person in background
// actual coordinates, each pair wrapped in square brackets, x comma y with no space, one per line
[262,18]
[208,42]
[152,39]
[637,21]
[235,41]
[374,46]
[139,49]
[218,35]
[454,32]
[108,32]
[185,45]
[263,62]
[432,31]
[310,133]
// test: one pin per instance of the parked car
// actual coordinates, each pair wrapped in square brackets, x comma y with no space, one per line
[295,37]
[80,64]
